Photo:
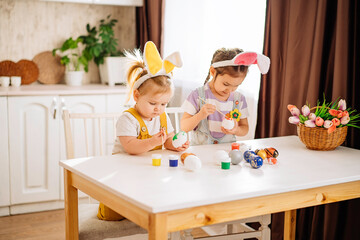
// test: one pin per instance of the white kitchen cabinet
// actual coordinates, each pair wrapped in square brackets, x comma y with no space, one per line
[33,149]
[4,160]
[136,3]
[32,140]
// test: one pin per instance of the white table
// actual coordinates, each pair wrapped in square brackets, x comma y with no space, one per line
[163,199]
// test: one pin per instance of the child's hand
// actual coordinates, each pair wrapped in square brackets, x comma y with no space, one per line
[231,131]
[183,147]
[207,109]
[159,138]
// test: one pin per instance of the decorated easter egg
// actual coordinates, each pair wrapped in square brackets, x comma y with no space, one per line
[256,162]
[271,152]
[179,139]
[236,156]
[228,123]
[192,163]
[248,154]
[220,155]
[262,154]
[184,155]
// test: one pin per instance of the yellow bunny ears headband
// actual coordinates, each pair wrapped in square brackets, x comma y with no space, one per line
[155,66]
[247,58]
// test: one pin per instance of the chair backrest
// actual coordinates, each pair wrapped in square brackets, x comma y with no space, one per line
[94,125]
[175,114]
[92,132]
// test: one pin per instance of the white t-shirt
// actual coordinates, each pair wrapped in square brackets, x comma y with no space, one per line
[128,125]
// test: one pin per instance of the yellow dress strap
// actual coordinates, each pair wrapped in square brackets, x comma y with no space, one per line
[163,121]
[143,129]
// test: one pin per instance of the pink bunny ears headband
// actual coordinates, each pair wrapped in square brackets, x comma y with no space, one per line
[247,58]
[155,66]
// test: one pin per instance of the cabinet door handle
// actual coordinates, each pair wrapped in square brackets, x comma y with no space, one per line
[62,106]
[53,108]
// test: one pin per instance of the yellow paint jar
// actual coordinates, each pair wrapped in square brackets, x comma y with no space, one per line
[156,159]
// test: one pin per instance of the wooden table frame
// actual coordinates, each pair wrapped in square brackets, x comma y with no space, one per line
[159,224]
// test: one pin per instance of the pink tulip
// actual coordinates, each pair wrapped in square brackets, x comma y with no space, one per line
[342,104]
[294,120]
[331,129]
[336,122]
[340,114]
[310,123]
[344,120]
[294,110]
[319,121]
[328,123]
[334,112]
[305,110]
[312,116]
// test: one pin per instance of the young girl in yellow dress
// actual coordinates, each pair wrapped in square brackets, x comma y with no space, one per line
[146,126]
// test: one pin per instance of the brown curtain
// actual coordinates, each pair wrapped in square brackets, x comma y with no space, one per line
[314,47]
[149,23]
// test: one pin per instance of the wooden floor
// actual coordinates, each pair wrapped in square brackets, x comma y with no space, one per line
[48,225]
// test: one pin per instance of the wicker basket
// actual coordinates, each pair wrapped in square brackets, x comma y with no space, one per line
[319,139]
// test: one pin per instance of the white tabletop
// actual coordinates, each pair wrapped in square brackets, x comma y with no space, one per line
[164,188]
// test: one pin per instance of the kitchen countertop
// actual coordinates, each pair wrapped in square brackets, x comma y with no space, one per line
[60,89]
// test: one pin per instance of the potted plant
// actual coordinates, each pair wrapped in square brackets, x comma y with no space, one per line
[326,128]
[75,60]
[101,45]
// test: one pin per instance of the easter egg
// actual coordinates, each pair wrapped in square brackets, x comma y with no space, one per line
[247,155]
[179,139]
[192,163]
[220,155]
[271,152]
[262,154]
[228,123]
[256,162]
[236,156]
[184,155]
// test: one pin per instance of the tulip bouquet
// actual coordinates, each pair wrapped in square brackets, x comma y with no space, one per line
[327,115]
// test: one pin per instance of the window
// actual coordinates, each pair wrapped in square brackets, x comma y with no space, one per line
[198,28]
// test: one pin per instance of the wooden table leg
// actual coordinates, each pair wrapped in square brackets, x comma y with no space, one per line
[71,208]
[158,227]
[290,225]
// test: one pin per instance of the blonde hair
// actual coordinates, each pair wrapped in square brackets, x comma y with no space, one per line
[136,69]
[223,54]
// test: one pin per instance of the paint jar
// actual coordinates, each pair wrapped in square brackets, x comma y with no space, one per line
[173,161]
[235,146]
[225,164]
[156,159]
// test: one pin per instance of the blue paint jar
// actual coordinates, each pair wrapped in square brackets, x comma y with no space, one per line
[173,161]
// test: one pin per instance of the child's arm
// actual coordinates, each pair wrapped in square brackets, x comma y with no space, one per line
[241,128]
[168,144]
[133,145]
[189,122]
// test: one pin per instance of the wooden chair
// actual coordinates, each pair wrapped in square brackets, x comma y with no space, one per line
[95,135]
